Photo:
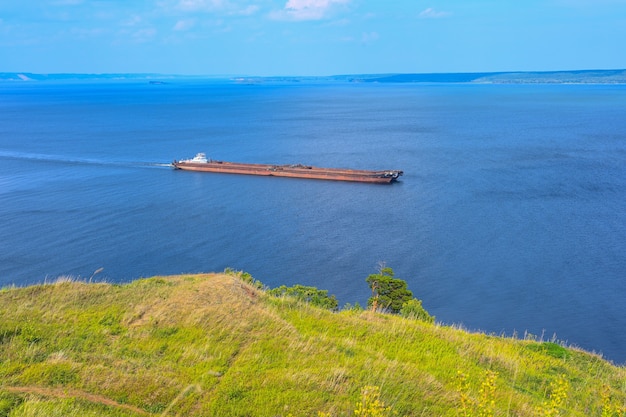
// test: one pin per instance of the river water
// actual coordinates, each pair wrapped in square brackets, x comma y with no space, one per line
[510,217]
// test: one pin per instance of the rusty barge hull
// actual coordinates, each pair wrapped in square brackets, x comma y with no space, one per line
[291,171]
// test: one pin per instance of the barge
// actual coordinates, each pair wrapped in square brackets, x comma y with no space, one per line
[202,164]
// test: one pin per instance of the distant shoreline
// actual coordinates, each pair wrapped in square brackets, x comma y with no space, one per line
[616,76]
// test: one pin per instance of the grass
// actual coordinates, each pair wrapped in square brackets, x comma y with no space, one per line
[215,345]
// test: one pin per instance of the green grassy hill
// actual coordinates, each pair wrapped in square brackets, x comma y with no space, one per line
[214,345]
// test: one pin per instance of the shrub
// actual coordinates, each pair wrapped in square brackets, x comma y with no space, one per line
[311,295]
[413,309]
[349,307]
[553,349]
[245,277]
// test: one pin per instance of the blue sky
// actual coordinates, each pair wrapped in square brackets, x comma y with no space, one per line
[310,37]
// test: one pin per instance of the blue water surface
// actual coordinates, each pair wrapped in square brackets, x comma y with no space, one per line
[510,217]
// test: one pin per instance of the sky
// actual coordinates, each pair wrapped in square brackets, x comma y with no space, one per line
[310,37]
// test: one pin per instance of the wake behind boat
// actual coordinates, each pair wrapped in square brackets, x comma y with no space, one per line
[202,164]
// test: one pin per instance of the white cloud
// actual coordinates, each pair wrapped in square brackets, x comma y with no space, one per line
[223,7]
[339,23]
[132,21]
[81,33]
[307,9]
[67,2]
[369,37]
[199,5]
[184,24]
[144,35]
[431,13]
[589,3]
[248,11]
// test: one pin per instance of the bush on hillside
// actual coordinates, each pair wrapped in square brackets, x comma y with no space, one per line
[413,309]
[245,277]
[311,295]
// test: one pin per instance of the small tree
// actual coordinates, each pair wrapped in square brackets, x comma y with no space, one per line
[388,293]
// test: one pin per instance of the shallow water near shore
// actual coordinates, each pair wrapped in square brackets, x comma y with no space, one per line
[510,217]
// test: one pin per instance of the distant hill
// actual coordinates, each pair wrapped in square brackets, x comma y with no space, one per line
[27,76]
[218,345]
[582,77]
[551,77]
[541,77]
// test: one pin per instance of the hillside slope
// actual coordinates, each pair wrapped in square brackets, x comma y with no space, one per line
[213,345]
